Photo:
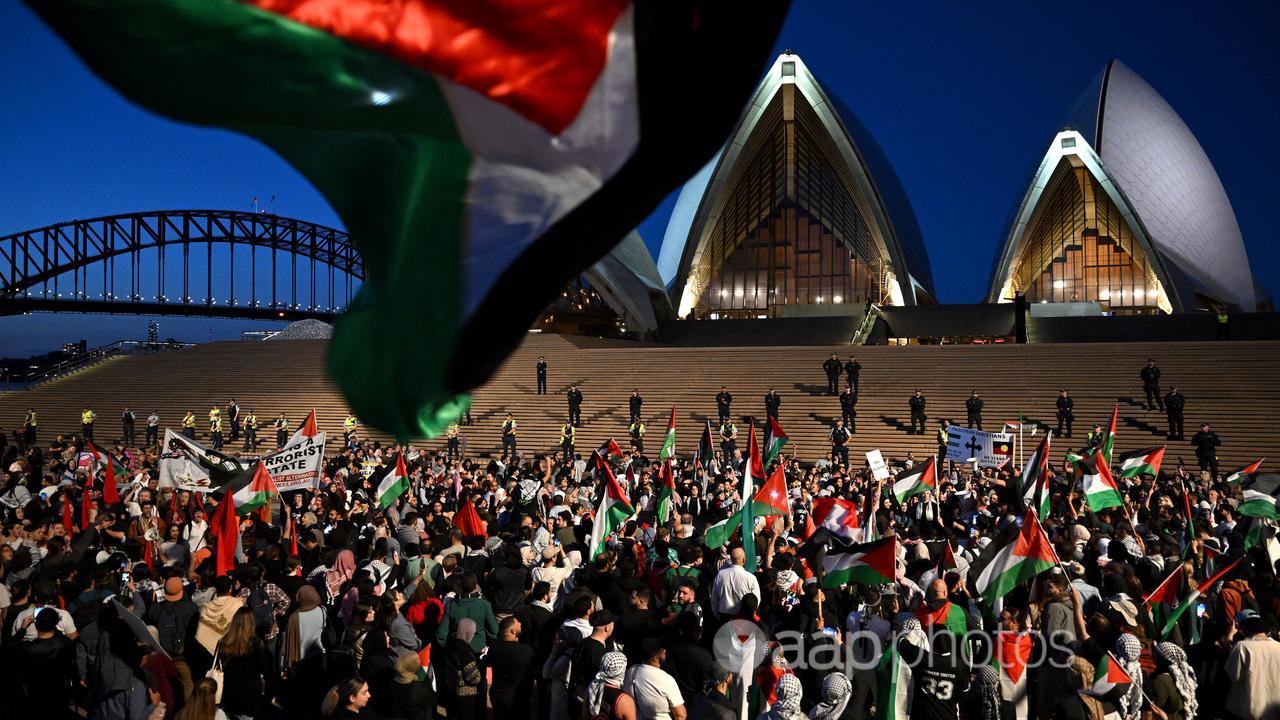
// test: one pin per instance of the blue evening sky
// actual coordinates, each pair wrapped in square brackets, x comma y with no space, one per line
[962,97]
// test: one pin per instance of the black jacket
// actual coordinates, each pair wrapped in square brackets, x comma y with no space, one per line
[973,405]
[852,368]
[1174,403]
[1205,442]
[832,366]
[1065,404]
[575,398]
[848,400]
[635,402]
[1150,376]
[772,401]
[724,399]
[917,403]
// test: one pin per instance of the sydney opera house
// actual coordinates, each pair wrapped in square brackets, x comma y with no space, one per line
[800,215]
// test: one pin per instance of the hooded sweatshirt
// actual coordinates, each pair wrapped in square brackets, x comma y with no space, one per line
[215,618]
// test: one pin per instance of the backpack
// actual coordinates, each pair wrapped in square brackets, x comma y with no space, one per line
[264,617]
[171,633]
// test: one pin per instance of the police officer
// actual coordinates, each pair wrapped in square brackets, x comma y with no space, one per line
[839,437]
[215,431]
[1065,414]
[29,425]
[849,409]
[282,430]
[636,433]
[851,370]
[724,400]
[1151,385]
[568,434]
[1174,403]
[250,431]
[973,408]
[728,439]
[574,396]
[635,403]
[86,423]
[772,402]
[1222,328]
[214,413]
[126,426]
[943,431]
[233,417]
[153,428]
[917,404]
[1206,443]
[349,426]
[453,441]
[542,375]
[509,437]
[189,425]
[832,367]
[1095,437]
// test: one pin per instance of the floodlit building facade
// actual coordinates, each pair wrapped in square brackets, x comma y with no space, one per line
[799,215]
[1126,211]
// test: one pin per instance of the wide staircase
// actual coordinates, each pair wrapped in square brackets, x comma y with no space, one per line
[1235,386]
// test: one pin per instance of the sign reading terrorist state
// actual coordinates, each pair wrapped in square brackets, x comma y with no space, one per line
[188,465]
[987,449]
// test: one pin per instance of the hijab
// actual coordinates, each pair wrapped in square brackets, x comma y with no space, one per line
[612,667]
[308,599]
[836,690]
[343,568]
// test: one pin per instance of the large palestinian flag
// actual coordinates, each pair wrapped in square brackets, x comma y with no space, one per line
[1100,489]
[497,146]
[1035,478]
[916,481]
[1163,601]
[1187,601]
[1242,473]
[668,450]
[1012,558]
[256,493]
[666,492]
[706,448]
[1260,505]
[394,484]
[1140,462]
[612,512]
[869,564]
[775,438]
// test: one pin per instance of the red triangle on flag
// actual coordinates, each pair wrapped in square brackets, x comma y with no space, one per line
[468,520]
[309,428]
[771,498]
[1115,671]
[1032,542]
[1169,590]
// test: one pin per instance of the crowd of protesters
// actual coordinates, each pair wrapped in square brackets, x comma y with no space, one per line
[349,609]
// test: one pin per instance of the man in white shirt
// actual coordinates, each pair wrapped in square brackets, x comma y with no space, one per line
[655,692]
[732,584]
[45,595]
[553,570]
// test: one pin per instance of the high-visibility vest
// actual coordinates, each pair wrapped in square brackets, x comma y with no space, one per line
[1222,318]
[189,421]
[86,417]
[637,430]
[509,427]
[567,433]
[942,436]
[727,430]
[251,421]
[452,430]
[216,425]
[31,419]
[282,424]
[214,414]
[349,423]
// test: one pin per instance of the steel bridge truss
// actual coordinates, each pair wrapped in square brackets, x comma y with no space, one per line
[57,268]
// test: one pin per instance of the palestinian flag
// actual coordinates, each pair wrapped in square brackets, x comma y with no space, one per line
[1100,489]
[839,517]
[1164,599]
[774,440]
[1109,440]
[715,536]
[1241,474]
[1012,653]
[1193,597]
[1108,675]
[919,480]
[612,512]
[109,467]
[868,564]
[771,499]
[950,616]
[393,484]
[946,559]
[225,526]
[706,448]
[666,492]
[468,521]
[753,451]
[1035,478]
[746,516]
[1191,519]
[1140,462]
[503,147]
[1260,505]
[1263,533]
[1014,557]
[256,493]
[895,683]
[306,430]
[668,450]
[610,451]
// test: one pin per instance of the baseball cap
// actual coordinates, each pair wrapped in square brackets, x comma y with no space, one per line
[1245,615]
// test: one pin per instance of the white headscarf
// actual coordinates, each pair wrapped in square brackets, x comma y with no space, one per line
[1128,649]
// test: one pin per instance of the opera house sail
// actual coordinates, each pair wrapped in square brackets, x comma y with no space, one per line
[1126,212]
[798,215]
